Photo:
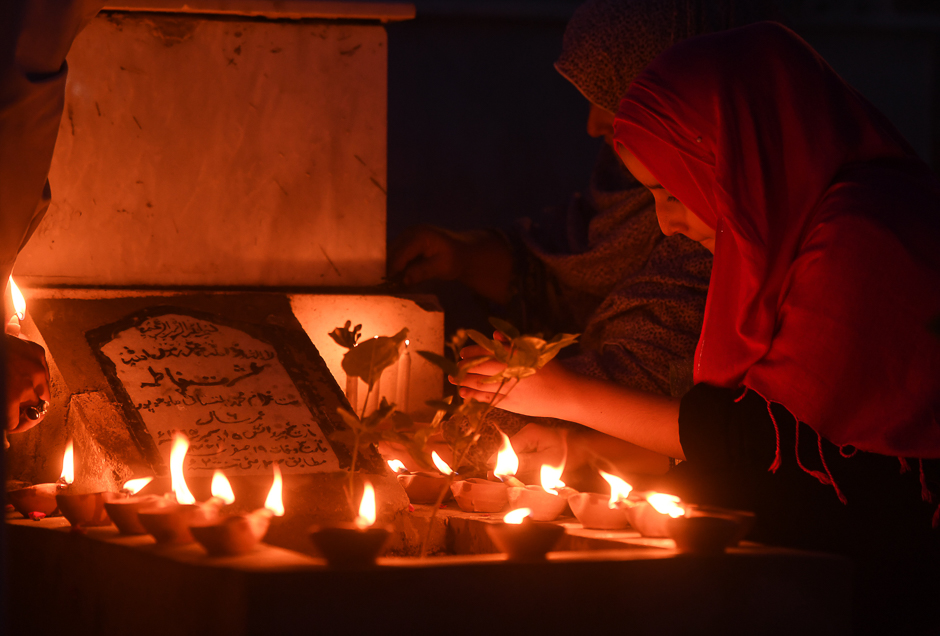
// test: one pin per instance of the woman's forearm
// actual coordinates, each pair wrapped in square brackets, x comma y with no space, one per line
[645,419]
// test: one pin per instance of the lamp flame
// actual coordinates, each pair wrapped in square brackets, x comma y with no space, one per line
[517,515]
[666,504]
[68,464]
[551,478]
[506,461]
[441,464]
[397,466]
[366,508]
[134,486]
[19,303]
[619,489]
[221,488]
[178,482]
[275,500]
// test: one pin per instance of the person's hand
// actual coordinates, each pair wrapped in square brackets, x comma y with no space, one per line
[537,395]
[425,252]
[27,383]
[480,259]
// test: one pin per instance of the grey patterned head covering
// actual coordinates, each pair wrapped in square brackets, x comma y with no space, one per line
[608,42]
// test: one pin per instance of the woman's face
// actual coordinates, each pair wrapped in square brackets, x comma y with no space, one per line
[672,214]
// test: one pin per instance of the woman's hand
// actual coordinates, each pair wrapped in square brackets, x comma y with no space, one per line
[480,259]
[27,382]
[537,395]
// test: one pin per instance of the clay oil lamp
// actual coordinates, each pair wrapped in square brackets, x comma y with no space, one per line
[708,531]
[547,501]
[168,519]
[421,487]
[600,512]
[523,539]
[356,544]
[484,495]
[83,510]
[650,515]
[123,512]
[235,534]
[38,501]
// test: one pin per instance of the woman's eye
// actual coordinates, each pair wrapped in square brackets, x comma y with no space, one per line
[672,199]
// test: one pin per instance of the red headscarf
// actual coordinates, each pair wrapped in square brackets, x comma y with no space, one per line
[825,275]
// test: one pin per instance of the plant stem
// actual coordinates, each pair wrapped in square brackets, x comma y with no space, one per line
[350,497]
[450,478]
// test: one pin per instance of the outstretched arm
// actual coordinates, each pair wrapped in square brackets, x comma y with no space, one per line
[645,419]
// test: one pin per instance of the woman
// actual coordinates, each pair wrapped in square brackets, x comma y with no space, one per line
[598,266]
[815,359]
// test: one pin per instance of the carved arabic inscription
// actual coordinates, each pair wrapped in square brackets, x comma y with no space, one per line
[225,390]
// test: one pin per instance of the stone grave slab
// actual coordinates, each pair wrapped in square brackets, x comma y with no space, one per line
[235,372]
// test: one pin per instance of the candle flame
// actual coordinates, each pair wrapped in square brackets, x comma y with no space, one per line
[506,461]
[407,342]
[619,489]
[68,464]
[178,482]
[551,478]
[275,500]
[665,504]
[366,508]
[19,303]
[397,466]
[441,464]
[134,486]
[221,488]
[517,515]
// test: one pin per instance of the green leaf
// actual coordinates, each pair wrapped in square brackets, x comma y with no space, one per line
[483,341]
[504,328]
[368,359]
[448,366]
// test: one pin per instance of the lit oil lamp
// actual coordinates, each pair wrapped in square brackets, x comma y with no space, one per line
[600,512]
[523,539]
[650,516]
[356,544]
[123,512]
[238,533]
[81,509]
[484,495]
[547,501]
[19,310]
[39,500]
[421,487]
[708,531]
[168,519]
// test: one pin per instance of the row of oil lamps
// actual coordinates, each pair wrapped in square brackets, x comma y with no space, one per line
[175,518]
[695,529]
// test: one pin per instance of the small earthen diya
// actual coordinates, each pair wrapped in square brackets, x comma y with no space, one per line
[523,539]
[356,544]
[421,487]
[480,495]
[593,511]
[123,512]
[708,531]
[483,495]
[230,535]
[85,510]
[81,509]
[168,520]
[547,501]
[650,516]
[39,498]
